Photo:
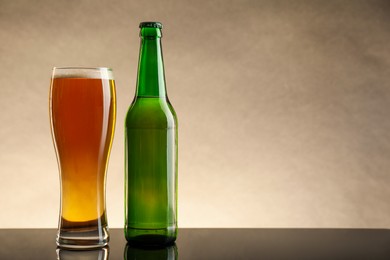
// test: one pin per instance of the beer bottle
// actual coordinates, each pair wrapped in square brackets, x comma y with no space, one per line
[151,150]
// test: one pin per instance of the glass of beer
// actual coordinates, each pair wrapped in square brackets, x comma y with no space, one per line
[82,116]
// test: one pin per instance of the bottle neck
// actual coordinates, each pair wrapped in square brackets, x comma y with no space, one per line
[151,78]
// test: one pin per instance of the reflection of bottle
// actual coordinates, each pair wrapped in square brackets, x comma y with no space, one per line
[97,254]
[151,253]
[151,150]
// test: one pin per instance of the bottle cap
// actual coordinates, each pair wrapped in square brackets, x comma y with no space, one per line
[151,25]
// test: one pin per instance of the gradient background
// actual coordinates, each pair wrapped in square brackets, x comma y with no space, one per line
[283,106]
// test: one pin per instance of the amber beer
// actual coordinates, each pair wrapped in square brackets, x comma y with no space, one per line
[82,109]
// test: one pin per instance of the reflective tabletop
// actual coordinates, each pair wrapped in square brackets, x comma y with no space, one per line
[213,244]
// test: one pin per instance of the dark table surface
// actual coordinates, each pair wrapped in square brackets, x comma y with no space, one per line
[370,244]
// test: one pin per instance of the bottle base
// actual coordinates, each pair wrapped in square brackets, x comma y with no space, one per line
[151,237]
[82,239]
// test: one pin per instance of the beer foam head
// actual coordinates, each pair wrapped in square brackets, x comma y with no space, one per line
[80,72]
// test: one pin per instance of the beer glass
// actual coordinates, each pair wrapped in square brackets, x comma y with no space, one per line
[82,116]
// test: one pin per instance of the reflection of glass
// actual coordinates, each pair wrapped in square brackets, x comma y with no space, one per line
[151,253]
[82,113]
[97,254]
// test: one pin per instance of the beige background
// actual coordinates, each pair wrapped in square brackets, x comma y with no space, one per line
[283,106]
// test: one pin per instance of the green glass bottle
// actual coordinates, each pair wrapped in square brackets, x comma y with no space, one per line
[151,150]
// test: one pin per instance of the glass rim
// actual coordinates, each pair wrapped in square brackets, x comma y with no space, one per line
[83,72]
[81,68]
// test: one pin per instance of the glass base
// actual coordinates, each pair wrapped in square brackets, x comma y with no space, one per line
[151,237]
[83,239]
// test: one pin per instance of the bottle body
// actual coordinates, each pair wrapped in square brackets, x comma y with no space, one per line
[151,172]
[151,153]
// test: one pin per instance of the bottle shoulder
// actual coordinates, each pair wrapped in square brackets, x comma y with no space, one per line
[151,112]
